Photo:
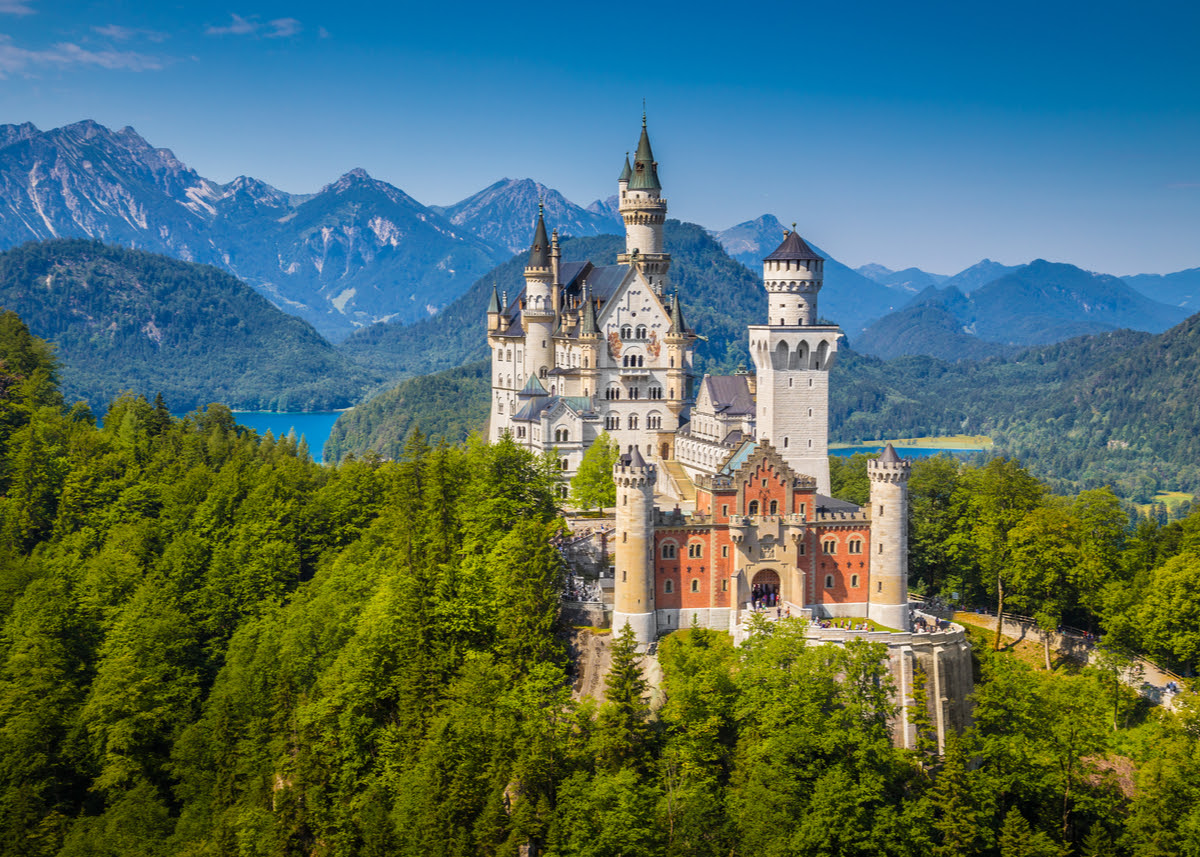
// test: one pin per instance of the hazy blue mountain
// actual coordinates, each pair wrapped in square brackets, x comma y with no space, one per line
[125,319]
[356,252]
[979,274]
[847,298]
[911,280]
[1037,304]
[505,213]
[608,207]
[1179,289]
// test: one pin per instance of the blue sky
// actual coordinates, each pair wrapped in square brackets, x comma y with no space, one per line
[924,133]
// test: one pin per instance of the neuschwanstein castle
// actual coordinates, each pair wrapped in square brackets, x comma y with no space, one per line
[723,484]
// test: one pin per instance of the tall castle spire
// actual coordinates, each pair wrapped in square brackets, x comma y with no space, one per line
[644,211]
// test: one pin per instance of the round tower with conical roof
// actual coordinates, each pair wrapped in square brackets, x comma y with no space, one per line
[538,313]
[888,596]
[633,589]
[644,210]
[792,357]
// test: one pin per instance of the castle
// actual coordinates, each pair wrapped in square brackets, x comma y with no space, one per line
[741,459]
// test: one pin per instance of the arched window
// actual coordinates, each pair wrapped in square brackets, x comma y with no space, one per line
[626,332]
[633,421]
[564,464]
[635,393]
[561,435]
[774,507]
[855,546]
[641,331]
[829,546]
[542,372]
[829,581]
[641,360]
[695,584]
[668,551]
[753,508]
[668,586]
[854,581]
[695,550]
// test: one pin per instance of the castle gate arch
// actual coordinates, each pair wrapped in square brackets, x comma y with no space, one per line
[765,586]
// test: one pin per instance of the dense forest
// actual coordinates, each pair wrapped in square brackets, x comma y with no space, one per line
[127,320]
[211,646]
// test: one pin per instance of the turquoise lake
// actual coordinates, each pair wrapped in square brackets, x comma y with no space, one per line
[314,427]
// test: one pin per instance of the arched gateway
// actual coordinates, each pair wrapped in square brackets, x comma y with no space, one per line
[764,587]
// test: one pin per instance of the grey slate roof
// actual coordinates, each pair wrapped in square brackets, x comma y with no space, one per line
[627,171]
[793,248]
[539,253]
[889,456]
[730,394]
[831,504]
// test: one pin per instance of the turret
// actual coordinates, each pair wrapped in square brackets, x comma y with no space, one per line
[678,342]
[644,211]
[493,311]
[792,357]
[538,313]
[888,596]
[633,589]
[792,276]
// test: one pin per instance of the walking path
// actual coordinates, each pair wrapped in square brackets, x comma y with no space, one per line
[1146,677]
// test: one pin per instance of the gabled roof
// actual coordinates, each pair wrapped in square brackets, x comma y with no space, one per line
[730,394]
[793,248]
[739,457]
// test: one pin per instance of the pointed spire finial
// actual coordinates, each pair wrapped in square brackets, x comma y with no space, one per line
[793,226]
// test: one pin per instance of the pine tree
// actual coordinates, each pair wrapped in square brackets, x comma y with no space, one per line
[622,731]
[951,795]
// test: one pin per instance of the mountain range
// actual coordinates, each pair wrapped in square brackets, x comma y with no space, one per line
[358,251]
[1036,304]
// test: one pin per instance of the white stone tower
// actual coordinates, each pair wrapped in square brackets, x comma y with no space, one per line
[888,596]
[538,314]
[633,589]
[792,355]
[644,210]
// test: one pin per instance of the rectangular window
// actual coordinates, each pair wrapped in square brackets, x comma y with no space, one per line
[725,550]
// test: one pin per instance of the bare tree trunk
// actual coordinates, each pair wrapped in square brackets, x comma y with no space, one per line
[999,609]
[1046,648]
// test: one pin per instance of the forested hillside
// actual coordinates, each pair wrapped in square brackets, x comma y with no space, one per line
[128,320]
[1114,409]
[447,405]
[211,646]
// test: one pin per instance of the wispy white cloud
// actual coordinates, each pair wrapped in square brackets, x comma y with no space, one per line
[323,33]
[118,33]
[284,27]
[15,59]
[279,28]
[15,7]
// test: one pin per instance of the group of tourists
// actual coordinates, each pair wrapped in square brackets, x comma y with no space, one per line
[764,596]
[844,624]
